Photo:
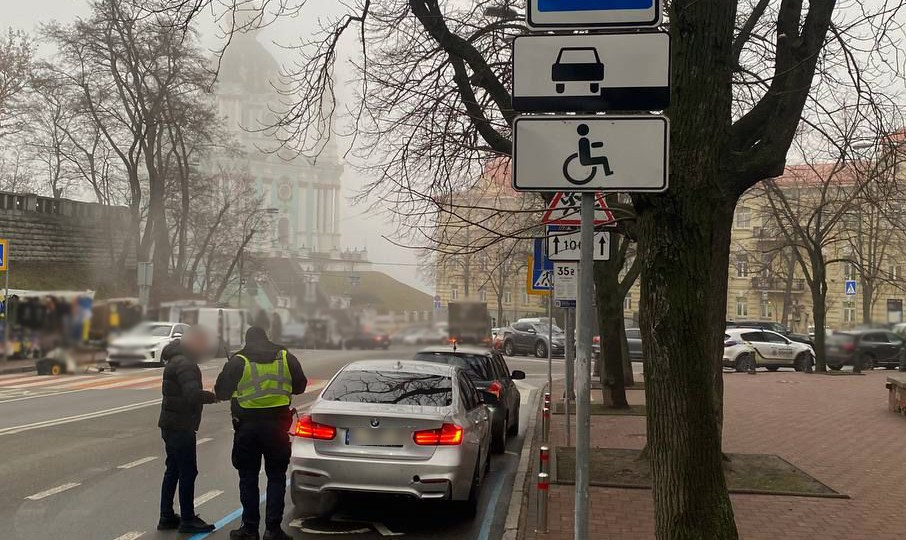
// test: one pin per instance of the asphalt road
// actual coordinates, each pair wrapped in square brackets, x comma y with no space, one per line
[83,462]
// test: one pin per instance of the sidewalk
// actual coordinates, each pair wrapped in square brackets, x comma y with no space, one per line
[16,366]
[837,429]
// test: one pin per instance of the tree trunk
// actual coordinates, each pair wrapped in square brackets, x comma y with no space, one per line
[613,335]
[628,376]
[819,313]
[788,291]
[868,293]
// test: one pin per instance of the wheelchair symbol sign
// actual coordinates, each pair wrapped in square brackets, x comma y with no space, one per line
[587,159]
[590,153]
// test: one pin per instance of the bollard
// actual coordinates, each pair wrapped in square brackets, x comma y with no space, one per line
[545,424]
[543,488]
[545,460]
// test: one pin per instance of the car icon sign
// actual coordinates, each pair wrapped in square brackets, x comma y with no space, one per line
[577,64]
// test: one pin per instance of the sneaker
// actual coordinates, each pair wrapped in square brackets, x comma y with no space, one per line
[168,523]
[276,534]
[195,525]
[245,532]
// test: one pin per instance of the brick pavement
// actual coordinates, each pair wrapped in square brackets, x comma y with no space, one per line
[836,428]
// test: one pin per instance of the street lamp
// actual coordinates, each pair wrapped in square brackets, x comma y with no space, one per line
[245,224]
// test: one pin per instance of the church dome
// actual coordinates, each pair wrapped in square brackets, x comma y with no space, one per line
[246,64]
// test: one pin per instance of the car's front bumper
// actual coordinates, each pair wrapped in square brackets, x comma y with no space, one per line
[444,476]
[120,357]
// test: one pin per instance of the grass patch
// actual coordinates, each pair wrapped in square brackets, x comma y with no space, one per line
[763,474]
[598,409]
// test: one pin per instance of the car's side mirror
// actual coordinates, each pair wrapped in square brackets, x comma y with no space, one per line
[177,335]
[518,375]
[531,331]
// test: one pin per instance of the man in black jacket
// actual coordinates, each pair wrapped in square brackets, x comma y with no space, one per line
[258,381]
[180,416]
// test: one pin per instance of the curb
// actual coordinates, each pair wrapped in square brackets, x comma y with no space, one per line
[19,369]
[514,510]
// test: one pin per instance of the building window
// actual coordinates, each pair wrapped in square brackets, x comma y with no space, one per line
[454,292]
[849,311]
[742,265]
[743,218]
[525,299]
[507,297]
[627,302]
[894,271]
[742,306]
[767,310]
[482,295]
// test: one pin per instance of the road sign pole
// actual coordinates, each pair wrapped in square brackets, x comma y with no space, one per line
[569,366]
[583,363]
[550,340]
[7,321]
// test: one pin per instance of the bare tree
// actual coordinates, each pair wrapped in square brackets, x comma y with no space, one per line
[16,51]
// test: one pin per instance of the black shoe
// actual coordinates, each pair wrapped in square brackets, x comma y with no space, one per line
[168,523]
[246,532]
[195,525]
[276,534]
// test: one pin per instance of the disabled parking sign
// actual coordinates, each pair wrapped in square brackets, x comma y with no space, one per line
[547,14]
[590,153]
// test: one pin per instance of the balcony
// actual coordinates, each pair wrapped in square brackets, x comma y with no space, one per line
[773,284]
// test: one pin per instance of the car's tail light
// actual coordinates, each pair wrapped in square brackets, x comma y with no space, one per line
[446,435]
[495,388]
[596,339]
[309,429]
[848,346]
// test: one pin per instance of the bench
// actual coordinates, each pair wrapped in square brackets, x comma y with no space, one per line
[896,387]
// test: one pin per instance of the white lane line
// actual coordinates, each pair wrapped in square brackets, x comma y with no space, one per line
[52,491]
[54,380]
[200,442]
[131,535]
[66,420]
[205,497]
[137,462]
[40,395]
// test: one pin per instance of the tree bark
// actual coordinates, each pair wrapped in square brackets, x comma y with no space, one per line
[613,336]
[819,312]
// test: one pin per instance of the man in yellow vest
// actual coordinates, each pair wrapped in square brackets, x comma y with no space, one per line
[259,381]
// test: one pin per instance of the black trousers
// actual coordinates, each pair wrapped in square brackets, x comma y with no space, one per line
[182,468]
[252,441]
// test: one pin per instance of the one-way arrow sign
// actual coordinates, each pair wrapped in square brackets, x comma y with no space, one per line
[565,244]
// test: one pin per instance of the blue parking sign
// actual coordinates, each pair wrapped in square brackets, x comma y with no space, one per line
[566,14]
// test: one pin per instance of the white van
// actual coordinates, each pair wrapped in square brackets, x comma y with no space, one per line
[228,325]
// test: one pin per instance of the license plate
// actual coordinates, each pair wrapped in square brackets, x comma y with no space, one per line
[373,437]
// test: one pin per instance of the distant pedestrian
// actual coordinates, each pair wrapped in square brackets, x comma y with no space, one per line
[260,381]
[180,417]
[276,333]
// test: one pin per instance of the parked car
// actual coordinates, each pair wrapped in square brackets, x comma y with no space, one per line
[874,348]
[634,340]
[489,373]
[144,343]
[426,336]
[417,429]
[774,326]
[773,350]
[738,354]
[532,338]
[293,335]
[368,340]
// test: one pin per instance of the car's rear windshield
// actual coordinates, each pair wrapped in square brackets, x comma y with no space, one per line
[476,366]
[391,388]
[840,337]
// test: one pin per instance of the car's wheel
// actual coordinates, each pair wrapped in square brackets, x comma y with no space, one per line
[508,348]
[514,424]
[56,369]
[773,368]
[802,362]
[498,438]
[744,361]
[469,507]
[594,87]
[560,88]
[540,349]
[868,363]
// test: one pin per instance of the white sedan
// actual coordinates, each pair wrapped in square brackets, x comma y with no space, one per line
[144,343]
[766,348]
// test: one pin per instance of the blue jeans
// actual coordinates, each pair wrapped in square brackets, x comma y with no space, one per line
[182,468]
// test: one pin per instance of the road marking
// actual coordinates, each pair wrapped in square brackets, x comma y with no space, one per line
[40,395]
[381,528]
[128,382]
[200,442]
[68,419]
[132,535]
[137,462]
[52,491]
[205,497]
[47,380]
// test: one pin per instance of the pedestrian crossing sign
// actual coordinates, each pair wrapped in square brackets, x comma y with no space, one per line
[850,287]
[4,255]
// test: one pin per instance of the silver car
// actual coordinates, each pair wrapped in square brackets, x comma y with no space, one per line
[399,427]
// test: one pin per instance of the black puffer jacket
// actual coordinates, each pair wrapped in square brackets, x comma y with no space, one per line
[257,349]
[183,394]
